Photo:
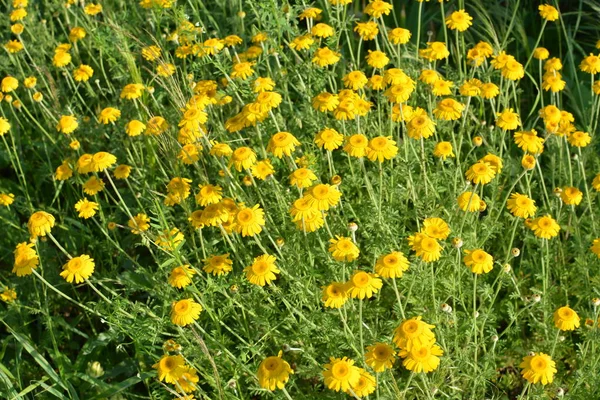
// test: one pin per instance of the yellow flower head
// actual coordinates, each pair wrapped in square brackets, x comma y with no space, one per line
[262,271]
[538,367]
[566,319]
[273,372]
[78,269]
[185,312]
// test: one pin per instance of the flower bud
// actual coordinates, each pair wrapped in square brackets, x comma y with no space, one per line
[536,298]
[446,308]
[352,227]
[95,369]
[596,302]
[515,252]
[507,268]
[457,243]
[495,338]
[477,141]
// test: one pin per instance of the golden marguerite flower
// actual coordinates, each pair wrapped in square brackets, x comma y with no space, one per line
[538,367]
[380,356]
[335,294]
[185,312]
[520,205]
[78,269]
[86,208]
[566,319]
[343,249]
[26,259]
[414,332]
[391,265]
[421,358]
[218,265]
[262,271]
[181,276]
[478,261]
[545,227]
[273,372]
[40,223]
[170,368]
[363,285]
[341,374]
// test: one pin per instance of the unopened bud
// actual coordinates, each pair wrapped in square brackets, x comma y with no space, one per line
[515,252]
[507,268]
[495,338]
[352,227]
[95,369]
[457,243]
[596,302]
[536,298]
[446,308]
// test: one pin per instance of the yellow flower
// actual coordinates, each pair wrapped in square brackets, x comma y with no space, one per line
[122,171]
[513,70]
[170,368]
[538,367]
[365,386]
[243,158]
[380,356]
[545,227]
[86,208]
[478,261]
[13,46]
[40,223]
[489,90]
[26,259]
[77,33]
[528,162]
[508,120]
[459,20]
[367,30]
[83,73]
[78,268]
[151,53]
[443,150]
[208,194]
[8,295]
[529,141]
[579,139]
[548,12]
[170,239]
[181,276]
[571,196]
[101,161]
[414,332]
[590,64]
[381,148]
[302,178]
[61,59]
[165,70]
[273,372]
[399,36]
[4,126]
[448,109]
[139,223]
[377,59]
[249,221]
[355,80]
[323,196]
[595,248]
[135,128]
[93,186]
[92,9]
[480,173]
[282,143]
[262,170]
[187,382]
[341,374]
[185,312]
[343,249]
[469,201]
[6,199]
[324,57]
[218,265]
[436,228]
[421,358]
[391,265]
[324,102]
[566,319]
[67,124]
[262,271]
[377,8]
[335,294]
[132,91]
[356,145]
[435,51]
[541,53]
[242,70]
[329,139]
[109,115]
[363,285]
[420,126]
[428,249]
[322,30]
[521,205]
[9,84]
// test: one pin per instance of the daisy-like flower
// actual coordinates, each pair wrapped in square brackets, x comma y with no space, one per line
[323,196]
[537,368]
[356,145]
[380,356]
[273,372]
[548,12]
[545,227]
[218,265]
[109,115]
[185,312]
[448,110]
[459,20]
[343,249]
[40,223]
[428,249]
[78,269]
[170,368]
[521,206]
[86,208]
[469,201]
[478,261]
[249,221]
[181,276]
[566,319]
[443,150]
[421,358]
[335,294]
[480,173]
[436,228]
[391,265]
[571,196]
[139,223]
[329,139]
[414,332]
[282,143]
[262,271]
[529,141]
[363,285]
[508,120]
[381,148]
[341,374]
